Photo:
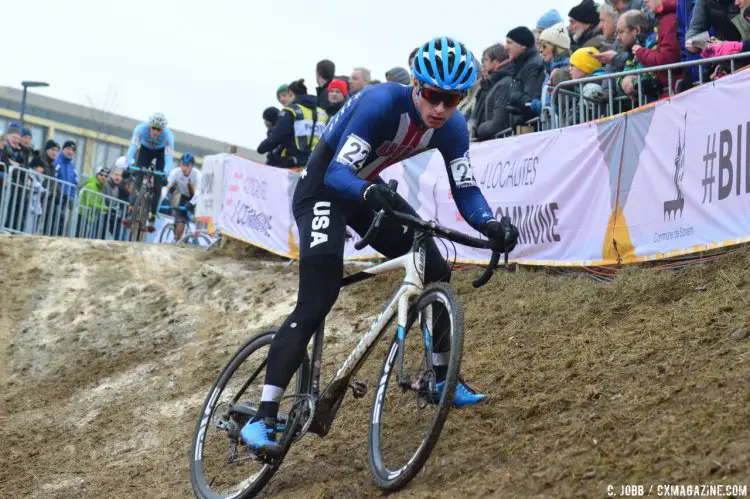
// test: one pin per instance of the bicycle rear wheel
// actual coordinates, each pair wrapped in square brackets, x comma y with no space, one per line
[221,466]
[407,417]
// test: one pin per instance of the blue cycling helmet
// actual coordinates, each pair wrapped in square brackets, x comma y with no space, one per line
[445,63]
[188,158]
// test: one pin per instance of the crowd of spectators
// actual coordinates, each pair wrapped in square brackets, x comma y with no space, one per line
[517,78]
[37,204]
[519,73]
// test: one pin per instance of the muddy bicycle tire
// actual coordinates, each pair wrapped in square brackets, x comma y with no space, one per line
[394,479]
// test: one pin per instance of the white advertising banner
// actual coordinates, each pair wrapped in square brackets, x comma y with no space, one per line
[212,190]
[561,207]
[256,208]
[689,189]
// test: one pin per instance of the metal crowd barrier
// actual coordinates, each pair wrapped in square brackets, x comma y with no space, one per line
[571,107]
[99,216]
[32,203]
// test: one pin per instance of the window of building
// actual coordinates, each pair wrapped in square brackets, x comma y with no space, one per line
[38,136]
[105,154]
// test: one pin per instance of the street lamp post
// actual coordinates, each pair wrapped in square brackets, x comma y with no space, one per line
[27,84]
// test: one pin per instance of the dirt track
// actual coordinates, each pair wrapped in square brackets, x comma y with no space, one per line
[107,350]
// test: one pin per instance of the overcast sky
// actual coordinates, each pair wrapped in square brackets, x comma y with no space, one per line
[213,67]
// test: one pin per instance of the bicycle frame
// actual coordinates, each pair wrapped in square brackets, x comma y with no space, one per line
[328,403]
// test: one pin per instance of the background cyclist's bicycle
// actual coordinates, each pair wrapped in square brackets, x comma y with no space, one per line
[142,197]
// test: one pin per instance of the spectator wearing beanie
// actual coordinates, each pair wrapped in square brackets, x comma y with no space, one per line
[282,94]
[549,19]
[337,93]
[46,158]
[324,72]
[270,118]
[554,45]
[584,26]
[26,146]
[583,64]
[12,152]
[13,155]
[399,75]
[529,73]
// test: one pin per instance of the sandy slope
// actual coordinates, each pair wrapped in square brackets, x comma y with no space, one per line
[107,350]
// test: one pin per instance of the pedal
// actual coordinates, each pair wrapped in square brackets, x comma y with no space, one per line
[359,389]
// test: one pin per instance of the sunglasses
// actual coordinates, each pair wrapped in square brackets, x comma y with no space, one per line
[156,128]
[435,97]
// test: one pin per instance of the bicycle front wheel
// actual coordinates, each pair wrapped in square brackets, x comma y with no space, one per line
[167,234]
[221,466]
[407,415]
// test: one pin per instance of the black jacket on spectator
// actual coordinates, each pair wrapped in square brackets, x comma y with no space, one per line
[323,98]
[592,37]
[283,134]
[490,115]
[334,108]
[273,157]
[43,160]
[9,154]
[715,14]
[528,79]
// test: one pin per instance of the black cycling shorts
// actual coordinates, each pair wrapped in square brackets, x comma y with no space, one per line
[179,212]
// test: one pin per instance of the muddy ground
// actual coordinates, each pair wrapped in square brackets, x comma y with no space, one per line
[107,351]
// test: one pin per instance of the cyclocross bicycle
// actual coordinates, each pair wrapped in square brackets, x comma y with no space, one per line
[195,236]
[142,201]
[221,466]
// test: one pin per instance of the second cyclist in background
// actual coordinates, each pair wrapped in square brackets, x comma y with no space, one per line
[186,183]
[152,140]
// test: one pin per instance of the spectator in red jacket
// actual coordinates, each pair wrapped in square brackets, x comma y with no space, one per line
[667,49]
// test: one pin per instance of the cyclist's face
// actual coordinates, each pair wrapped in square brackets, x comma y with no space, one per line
[186,168]
[155,132]
[433,115]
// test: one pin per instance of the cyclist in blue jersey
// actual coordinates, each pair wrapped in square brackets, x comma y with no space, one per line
[152,140]
[339,186]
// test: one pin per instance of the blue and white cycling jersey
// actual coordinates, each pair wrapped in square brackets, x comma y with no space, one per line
[142,138]
[380,126]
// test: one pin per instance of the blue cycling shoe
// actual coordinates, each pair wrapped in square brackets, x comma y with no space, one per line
[261,436]
[463,396]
